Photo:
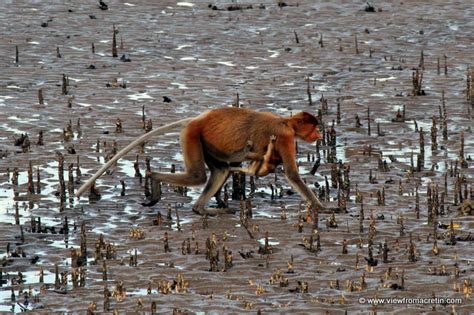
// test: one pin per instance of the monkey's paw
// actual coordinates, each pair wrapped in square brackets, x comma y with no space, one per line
[330,207]
[213,211]
[150,203]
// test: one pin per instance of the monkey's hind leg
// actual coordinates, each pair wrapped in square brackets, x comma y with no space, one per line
[218,176]
[194,173]
[155,191]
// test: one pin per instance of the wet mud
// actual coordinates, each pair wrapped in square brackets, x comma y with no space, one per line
[390,82]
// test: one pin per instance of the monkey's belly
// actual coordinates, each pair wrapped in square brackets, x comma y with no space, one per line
[223,155]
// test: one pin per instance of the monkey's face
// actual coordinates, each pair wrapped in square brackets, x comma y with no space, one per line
[309,133]
[313,135]
[306,127]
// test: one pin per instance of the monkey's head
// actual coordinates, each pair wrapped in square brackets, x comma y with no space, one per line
[305,126]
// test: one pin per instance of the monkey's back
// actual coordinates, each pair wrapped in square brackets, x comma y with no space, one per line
[228,130]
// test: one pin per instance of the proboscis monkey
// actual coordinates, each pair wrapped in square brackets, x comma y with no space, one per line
[222,136]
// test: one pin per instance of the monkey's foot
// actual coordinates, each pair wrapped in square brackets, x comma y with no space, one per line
[221,203]
[213,211]
[155,191]
[330,208]
[150,203]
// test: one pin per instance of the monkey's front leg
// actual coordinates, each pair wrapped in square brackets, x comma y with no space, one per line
[298,185]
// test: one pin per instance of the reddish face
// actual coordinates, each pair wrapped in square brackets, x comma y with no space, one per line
[306,127]
[309,133]
[313,135]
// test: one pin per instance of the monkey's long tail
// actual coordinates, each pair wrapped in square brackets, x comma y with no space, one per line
[128,148]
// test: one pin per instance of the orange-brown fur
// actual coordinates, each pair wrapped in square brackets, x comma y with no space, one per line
[222,136]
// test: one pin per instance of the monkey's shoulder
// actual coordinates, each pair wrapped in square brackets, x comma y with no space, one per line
[284,130]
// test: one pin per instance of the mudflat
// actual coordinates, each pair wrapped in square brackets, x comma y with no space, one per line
[390,81]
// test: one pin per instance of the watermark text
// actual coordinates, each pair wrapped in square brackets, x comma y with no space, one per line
[405,300]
